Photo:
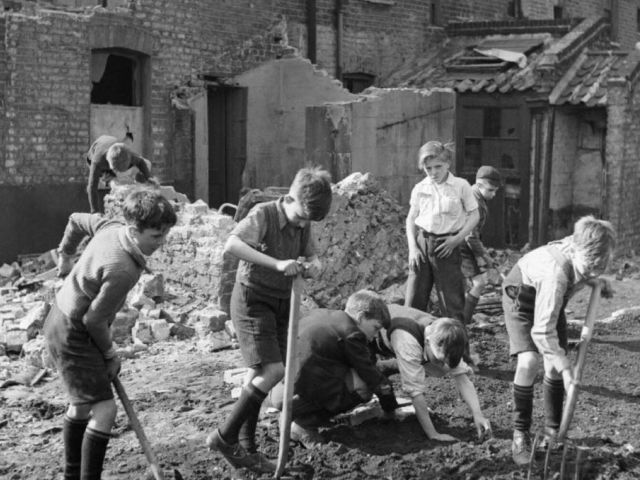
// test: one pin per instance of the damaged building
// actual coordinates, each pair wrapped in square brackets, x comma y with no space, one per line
[224,95]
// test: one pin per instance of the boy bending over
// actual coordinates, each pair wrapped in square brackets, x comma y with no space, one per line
[535,294]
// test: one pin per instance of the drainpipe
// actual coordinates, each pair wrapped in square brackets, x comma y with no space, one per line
[339,33]
[543,235]
[311,30]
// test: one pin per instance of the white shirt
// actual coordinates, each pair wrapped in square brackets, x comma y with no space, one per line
[442,208]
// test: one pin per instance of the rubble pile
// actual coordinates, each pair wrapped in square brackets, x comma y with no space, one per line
[361,243]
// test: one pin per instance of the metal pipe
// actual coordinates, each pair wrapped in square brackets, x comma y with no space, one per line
[339,34]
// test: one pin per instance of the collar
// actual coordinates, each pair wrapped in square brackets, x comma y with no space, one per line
[131,248]
[282,217]
[448,180]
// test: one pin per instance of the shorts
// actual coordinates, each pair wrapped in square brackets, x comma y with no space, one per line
[469,264]
[79,362]
[261,323]
[518,317]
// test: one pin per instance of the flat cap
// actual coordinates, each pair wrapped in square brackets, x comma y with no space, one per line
[491,174]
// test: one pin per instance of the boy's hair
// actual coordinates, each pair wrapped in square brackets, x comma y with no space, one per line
[450,335]
[595,239]
[118,157]
[435,149]
[312,188]
[370,304]
[146,209]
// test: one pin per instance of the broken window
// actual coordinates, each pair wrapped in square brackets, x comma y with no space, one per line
[116,78]
[357,82]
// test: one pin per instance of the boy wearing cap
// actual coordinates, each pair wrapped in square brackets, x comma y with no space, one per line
[106,156]
[442,212]
[475,258]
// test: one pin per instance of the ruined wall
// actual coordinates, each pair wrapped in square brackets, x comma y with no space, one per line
[279,91]
[623,168]
[381,134]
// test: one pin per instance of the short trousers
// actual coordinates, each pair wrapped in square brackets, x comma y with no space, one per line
[469,264]
[79,362]
[261,323]
[518,317]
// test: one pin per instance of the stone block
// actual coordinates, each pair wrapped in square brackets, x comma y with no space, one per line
[173,316]
[160,329]
[123,324]
[214,342]
[139,300]
[182,332]
[199,207]
[33,321]
[141,332]
[209,320]
[14,339]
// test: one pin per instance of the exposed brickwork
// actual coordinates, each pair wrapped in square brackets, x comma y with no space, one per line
[472,10]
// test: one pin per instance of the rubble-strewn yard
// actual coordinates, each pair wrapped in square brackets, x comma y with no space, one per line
[174,371]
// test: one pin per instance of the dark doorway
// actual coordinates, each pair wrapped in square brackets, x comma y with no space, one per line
[227,118]
[494,131]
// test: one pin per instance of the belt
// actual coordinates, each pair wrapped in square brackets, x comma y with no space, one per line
[437,235]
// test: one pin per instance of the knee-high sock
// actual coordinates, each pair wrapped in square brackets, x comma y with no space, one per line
[72,435]
[470,302]
[246,407]
[247,433]
[553,393]
[94,447]
[522,407]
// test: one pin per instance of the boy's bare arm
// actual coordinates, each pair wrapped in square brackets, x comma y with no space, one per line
[470,396]
[139,162]
[424,418]
[245,252]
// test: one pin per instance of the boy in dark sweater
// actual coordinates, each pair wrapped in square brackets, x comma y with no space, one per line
[535,294]
[77,327]
[269,242]
[336,369]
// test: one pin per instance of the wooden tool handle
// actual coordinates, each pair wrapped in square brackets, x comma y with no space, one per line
[289,375]
[587,330]
[135,424]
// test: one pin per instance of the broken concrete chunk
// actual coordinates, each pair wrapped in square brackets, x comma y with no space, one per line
[123,324]
[160,329]
[235,376]
[139,300]
[199,207]
[182,332]
[14,339]
[230,329]
[33,321]
[141,332]
[35,352]
[209,319]
[152,286]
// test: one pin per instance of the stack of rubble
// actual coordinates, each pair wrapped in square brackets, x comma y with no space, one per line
[361,243]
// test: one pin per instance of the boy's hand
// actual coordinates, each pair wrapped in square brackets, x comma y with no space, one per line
[65,264]
[289,267]
[443,437]
[447,247]
[415,258]
[483,426]
[113,367]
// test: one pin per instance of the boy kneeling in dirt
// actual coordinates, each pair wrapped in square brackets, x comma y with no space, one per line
[77,327]
[428,346]
[535,294]
[268,241]
[336,368]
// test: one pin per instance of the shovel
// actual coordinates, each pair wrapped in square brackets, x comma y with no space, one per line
[135,424]
[289,374]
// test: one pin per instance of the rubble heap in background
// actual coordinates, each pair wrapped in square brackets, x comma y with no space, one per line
[361,243]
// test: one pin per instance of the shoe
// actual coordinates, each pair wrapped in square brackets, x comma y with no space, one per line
[308,437]
[237,456]
[550,440]
[521,447]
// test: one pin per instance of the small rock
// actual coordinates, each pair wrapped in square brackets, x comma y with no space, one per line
[141,331]
[14,339]
[199,207]
[182,332]
[123,324]
[160,329]
[139,300]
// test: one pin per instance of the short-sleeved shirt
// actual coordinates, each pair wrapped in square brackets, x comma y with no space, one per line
[442,208]
[413,360]
[267,230]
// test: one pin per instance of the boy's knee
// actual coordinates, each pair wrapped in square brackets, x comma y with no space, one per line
[528,361]
[105,411]
[273,372]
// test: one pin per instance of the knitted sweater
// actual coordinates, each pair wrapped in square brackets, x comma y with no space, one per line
[98,284]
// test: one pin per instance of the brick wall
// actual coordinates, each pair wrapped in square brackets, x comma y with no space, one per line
[473,10]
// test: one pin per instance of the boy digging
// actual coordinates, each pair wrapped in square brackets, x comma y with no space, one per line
[535,294]
[475,258]
[442,212]
[269,242]
[77,327]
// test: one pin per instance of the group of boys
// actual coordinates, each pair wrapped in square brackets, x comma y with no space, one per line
[336,364]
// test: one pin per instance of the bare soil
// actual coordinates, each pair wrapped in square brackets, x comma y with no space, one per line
[179,395]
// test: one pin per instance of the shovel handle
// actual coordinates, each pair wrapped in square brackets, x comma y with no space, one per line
[135,424]
[289,374]
[587,330]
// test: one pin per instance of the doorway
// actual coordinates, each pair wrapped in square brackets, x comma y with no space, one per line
[227,131]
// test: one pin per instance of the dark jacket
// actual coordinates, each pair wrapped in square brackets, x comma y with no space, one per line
[329,345]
